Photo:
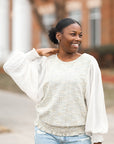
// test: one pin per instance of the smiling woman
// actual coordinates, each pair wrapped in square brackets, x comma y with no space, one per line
[70,38]
[68,35]
[66,87]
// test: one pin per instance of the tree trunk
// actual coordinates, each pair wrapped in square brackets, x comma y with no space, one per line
[60,12]
[60,9]
[39,20]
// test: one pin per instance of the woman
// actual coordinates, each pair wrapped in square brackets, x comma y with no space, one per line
[66,87]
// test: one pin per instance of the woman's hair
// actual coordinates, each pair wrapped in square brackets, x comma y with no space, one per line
[59,27]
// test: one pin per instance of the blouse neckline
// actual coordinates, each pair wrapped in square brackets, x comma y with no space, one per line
[77,59]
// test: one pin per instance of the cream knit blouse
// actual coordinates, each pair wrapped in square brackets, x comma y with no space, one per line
[68,95]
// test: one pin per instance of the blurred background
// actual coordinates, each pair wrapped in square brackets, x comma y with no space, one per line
[24,24]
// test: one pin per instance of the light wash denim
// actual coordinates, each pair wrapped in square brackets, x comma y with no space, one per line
[42,137]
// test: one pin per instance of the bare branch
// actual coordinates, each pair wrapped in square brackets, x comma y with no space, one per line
[39,19]
[60,9]
[37,15]
[60,12]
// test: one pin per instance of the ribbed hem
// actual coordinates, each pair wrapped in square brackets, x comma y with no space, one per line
[61,131]
[97,138]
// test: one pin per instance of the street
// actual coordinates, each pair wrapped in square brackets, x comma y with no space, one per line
[17,115]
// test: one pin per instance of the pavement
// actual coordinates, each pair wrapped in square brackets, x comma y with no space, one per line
[17,115]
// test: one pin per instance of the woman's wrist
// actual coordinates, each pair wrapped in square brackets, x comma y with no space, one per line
[39,52]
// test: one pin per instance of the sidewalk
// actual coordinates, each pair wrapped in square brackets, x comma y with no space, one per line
[17,114]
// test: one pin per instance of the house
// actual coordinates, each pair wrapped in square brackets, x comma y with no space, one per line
[19,29]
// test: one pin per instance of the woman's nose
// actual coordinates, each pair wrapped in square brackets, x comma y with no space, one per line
[77,38]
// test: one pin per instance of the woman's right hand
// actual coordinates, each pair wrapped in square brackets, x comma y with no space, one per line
[47,51]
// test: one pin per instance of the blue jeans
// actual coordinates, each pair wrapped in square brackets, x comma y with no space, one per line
[42,137]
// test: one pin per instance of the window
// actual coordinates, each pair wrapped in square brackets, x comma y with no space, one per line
[48,21]
[43,41]
[75,14]
[95,27]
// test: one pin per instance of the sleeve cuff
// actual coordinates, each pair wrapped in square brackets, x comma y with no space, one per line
[31,55]
[97,138]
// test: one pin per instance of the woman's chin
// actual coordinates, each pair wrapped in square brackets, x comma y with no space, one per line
[73,51]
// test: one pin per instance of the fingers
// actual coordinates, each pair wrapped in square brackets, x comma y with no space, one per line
[54,51]
[47,51]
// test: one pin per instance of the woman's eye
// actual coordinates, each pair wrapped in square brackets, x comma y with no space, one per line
[73,34]
[80,35]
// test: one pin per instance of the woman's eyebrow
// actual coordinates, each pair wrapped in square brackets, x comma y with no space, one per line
[76,31]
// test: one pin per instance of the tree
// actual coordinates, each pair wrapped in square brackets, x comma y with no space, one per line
[60,12]
[60,9]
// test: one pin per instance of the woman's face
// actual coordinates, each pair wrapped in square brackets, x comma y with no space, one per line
[70,38]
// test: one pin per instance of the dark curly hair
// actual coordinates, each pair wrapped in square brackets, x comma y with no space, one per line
[59,27]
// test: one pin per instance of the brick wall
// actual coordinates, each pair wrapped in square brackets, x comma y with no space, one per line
[107,22]
[85,27]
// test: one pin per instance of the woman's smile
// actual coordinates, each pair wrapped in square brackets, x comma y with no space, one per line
[70,39]
[75,45]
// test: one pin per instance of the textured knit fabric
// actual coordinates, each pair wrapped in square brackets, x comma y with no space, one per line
[68,95]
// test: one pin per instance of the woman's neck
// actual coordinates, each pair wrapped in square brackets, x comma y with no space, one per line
[67,56]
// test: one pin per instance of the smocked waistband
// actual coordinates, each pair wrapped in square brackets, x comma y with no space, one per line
[61,131]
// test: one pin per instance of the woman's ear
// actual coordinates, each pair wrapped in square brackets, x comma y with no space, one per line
[58,36]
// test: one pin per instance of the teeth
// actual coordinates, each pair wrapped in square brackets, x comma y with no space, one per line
[75,44]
